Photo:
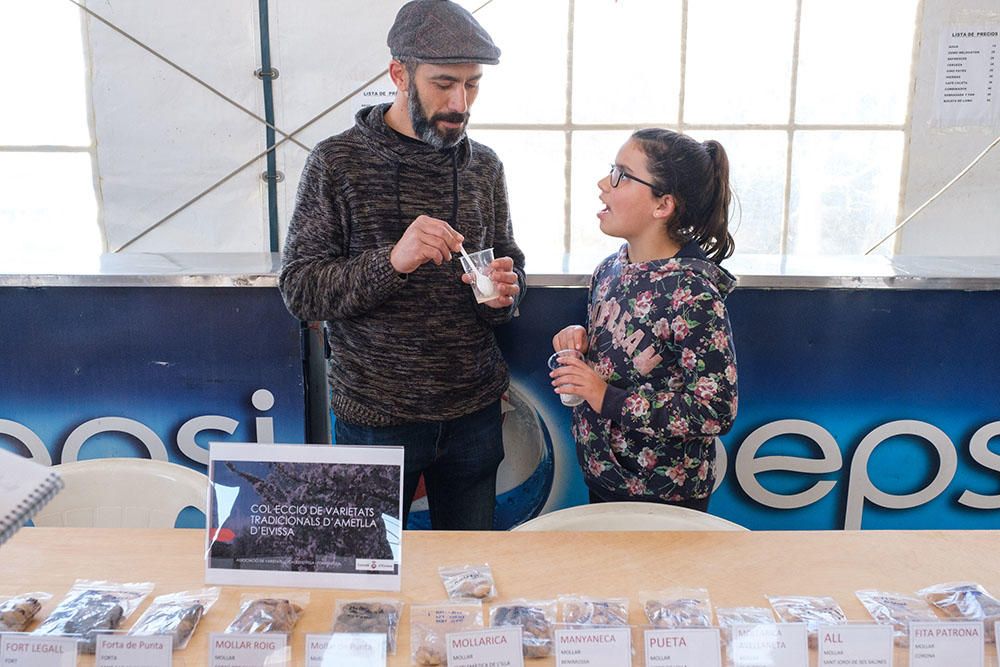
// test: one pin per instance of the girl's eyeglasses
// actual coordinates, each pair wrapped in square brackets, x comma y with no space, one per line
[617,174]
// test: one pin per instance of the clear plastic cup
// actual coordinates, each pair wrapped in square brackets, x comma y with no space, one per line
[478,265]
[569,400]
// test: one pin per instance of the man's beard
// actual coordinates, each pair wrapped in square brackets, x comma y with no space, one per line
[425,127]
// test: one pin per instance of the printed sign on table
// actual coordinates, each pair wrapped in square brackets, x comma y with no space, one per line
[682,647]
[135,651]
[22,650]
[769,645]
[593,647]
[305,515]
[262,649]
[943,644]
[853,644]
[346,649]
[501,647]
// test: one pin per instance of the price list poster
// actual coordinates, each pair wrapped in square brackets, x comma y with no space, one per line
[966,88]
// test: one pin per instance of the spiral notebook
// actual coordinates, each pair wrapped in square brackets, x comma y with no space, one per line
[25,486]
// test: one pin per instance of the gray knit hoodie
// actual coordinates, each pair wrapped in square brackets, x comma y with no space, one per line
[404,349]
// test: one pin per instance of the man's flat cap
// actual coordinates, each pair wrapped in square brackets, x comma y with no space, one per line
[440,31]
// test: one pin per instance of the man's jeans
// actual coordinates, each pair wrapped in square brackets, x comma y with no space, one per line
[458,459]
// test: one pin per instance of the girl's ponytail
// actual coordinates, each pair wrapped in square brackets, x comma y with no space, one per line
[714,237]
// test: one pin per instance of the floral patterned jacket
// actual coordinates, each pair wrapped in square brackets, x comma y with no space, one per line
[660,336]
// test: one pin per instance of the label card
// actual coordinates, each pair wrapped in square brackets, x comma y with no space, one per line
[682,647]
[499,647]
[248,650]
[20,650]
[134,651]
[855,644]
[593,647]
[770,645]
[946,644]
[346,649]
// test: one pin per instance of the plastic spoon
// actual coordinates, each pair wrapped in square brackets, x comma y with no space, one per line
[483,283]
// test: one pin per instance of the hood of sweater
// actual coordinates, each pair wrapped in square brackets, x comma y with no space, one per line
[413,155]
[689,261]
[386,143]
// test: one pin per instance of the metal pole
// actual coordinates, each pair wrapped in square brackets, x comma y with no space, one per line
[267,74]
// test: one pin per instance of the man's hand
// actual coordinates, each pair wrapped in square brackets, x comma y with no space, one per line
[574,376]
[573,337]
[427,239]
[501,272]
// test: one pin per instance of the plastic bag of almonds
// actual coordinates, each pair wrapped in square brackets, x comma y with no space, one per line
[581,610]
[176,615]
[811,610]
[373,615]
[91,607]
[17,611]
[430,623]
[276,612]
[677,608]
[730,616]
[536,618]
[896,609]
[967,600]
[468,582]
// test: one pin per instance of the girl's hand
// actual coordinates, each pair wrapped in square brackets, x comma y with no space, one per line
[574,376]
[573,337]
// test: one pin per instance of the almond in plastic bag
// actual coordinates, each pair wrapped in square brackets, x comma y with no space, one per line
[897,610]
[536,618]
[967,600]
[581,610]
[730,616]
[811,610]
[677,608]
[91,607]
[176,615]
[373,615]
[468,582]
[430,623]
[17,611]
[269,613]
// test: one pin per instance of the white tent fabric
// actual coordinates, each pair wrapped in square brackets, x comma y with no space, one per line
[318,68]
[164,139]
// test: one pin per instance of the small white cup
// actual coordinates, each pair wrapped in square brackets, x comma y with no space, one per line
[478,266]
[569,400]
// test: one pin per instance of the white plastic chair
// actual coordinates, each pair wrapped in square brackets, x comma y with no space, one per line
[628,516]
[123,493]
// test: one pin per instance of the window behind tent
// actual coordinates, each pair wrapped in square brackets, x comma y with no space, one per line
[809,97]
[48,206]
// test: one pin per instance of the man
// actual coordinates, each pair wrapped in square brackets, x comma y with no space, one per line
[382,212]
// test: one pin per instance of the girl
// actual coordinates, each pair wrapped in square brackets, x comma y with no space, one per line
[659,379]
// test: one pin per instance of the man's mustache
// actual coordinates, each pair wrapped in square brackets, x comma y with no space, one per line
[450,117]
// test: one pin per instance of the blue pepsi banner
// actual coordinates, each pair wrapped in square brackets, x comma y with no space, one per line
[156,372]
[859,408]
